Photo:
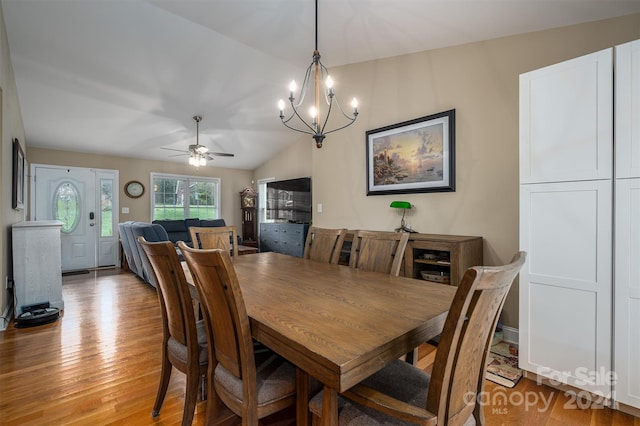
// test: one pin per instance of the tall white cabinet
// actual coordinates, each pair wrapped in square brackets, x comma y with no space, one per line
[580,222]
[566,146]
[627,225]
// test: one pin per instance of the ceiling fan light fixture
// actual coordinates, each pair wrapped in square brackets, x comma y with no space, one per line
[197,160]
[199,154]
[316,76]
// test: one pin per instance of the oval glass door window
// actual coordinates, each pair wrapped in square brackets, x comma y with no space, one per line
[66,206]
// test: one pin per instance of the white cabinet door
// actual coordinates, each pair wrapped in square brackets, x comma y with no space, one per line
[565,286]
[628,110]
[627,293]
[566,120]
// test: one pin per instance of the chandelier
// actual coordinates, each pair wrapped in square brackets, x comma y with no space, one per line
[316,74]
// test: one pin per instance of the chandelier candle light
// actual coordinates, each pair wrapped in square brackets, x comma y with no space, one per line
[318,73]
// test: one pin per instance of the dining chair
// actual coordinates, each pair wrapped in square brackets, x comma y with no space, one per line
[378,251]
[401,392]
[324,245]
[184,341]
[253,385]
[223,237]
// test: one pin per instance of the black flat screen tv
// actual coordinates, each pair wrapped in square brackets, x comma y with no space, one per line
[289,200]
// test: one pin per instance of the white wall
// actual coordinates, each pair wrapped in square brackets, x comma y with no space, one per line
[10,127]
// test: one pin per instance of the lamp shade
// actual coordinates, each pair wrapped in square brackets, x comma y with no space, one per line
[400,204]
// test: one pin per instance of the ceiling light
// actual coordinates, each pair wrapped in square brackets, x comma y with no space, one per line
[320,76]
[197,156]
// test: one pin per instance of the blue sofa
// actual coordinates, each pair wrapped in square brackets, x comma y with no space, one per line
[134,254]
[159,230]
[178,229]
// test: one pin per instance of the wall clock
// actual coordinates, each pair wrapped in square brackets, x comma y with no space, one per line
[134,189]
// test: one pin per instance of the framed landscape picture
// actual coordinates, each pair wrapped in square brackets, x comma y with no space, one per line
[413,156]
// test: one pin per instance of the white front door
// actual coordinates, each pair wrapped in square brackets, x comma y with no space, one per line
[69,194]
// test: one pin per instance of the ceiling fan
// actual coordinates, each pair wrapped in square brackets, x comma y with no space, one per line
[199,154]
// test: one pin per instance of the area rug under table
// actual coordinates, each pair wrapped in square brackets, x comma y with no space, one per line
[502,365]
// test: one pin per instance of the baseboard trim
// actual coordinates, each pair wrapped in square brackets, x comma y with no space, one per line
[510,334]
[628,409]
[6,316]
[597,401]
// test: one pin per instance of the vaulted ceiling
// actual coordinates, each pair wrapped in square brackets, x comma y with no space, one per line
[125,77]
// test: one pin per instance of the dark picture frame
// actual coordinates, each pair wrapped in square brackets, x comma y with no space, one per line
[413,156]
[17,195]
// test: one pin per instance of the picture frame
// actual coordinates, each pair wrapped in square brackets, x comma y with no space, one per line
[414,156]
[18,176]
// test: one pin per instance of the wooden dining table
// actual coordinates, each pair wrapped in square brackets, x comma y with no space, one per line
[337,324]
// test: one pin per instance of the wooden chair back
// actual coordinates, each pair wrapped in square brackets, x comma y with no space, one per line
[460,365]
[219,291]
[324,245]
[378,251]
[175,299]
[240,366]
[461,360]
[222,237]
[178,325]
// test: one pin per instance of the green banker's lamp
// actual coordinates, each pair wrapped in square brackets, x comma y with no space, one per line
[404,205]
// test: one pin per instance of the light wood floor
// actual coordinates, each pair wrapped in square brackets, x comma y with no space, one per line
[100,365]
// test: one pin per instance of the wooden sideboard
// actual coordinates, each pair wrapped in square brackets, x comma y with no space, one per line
[443,258]
[446,254]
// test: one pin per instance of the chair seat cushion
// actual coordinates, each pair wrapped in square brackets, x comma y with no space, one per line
[179,351]
[400,380]
[275,379]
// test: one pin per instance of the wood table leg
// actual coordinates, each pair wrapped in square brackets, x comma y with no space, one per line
[329,407]
[412,357]
[302,398]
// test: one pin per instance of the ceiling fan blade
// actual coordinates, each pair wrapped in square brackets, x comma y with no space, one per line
[178,155]
[172,149]
[221,154]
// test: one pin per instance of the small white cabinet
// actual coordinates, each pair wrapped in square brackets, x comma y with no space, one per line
[37,263]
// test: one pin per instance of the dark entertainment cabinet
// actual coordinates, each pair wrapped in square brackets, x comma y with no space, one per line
[285,238]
